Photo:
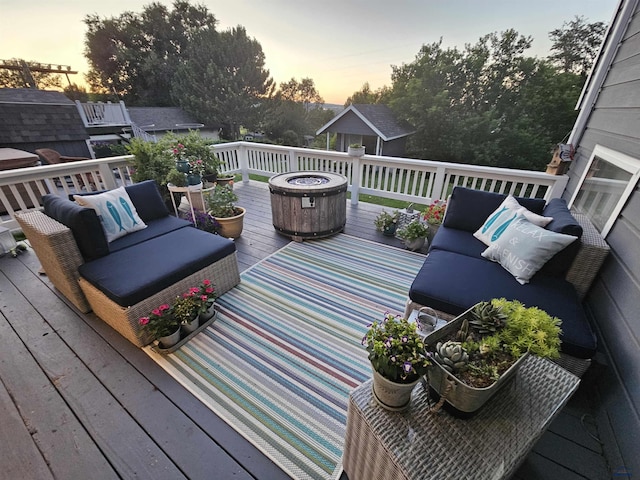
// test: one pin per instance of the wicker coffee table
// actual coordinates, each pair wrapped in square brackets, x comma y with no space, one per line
[418,444]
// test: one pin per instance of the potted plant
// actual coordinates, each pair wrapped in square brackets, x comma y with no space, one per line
[434,215]
[476,353]
[220,202]
[414,234]
[355,150]
[398,360]
[162,325]
[186,309]
[206,292]
[202,220]
[387,222]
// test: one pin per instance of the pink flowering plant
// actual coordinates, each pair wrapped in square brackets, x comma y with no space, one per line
[434,213]
[160,322]
[396,350]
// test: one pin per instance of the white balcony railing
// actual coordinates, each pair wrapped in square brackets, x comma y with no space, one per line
[413,181]
[101,114]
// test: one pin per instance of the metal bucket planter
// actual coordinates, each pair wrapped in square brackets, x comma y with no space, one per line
[460,398]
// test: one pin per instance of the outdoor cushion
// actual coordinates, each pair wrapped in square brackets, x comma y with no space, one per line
[83,222]
[147,199]
[116,212]
[458,241]
[477,280]
[154,228]
[468,209]
[563,222]
[523,248]
[133,274]
[500,219]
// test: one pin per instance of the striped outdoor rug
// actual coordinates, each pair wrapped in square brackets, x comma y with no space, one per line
[284,352]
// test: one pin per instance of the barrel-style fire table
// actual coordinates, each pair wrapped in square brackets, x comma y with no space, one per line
[308,204]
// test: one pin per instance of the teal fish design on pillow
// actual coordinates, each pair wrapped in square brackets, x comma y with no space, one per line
[114,213]
[127,208]
[502,228]
[491,221]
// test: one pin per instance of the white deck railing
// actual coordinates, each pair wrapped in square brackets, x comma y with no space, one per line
[98,113]
[413,181]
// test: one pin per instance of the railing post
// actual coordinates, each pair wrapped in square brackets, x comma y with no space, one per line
[125,113]
[293,164]
[243,162]
[557,189]
[356,178]
[107,177]
[82,113]
[438,184]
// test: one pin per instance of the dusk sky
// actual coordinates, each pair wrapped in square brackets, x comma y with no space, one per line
[340,44]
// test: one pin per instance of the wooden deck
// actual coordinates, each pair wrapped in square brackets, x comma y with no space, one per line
[78,401]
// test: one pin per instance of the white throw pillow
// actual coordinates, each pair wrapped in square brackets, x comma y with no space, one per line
[523,248]
[115,210]
[500,219]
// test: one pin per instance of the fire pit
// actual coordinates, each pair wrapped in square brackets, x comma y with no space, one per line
[308,204]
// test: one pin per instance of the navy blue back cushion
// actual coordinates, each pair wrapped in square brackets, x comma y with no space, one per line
[154,229]
[147,199]
[133,274]
[458,241]
[452,283]
[468,209]
[563,222]
[83,222]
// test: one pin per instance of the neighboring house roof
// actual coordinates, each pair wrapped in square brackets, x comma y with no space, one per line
[38,116]
[379,118]
[162,119]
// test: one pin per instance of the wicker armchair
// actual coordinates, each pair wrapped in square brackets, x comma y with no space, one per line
[58,252]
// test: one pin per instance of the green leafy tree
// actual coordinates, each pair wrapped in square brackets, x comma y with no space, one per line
[368,96]
[135,55]
[576,44]
[303,92]
[222,79]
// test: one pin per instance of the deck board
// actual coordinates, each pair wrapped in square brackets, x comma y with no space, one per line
[92,405]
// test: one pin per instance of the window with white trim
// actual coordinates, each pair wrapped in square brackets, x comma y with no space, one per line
[605,186]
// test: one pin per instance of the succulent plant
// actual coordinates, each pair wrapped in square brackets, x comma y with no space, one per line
[487,318]
[452,356]
[463,335]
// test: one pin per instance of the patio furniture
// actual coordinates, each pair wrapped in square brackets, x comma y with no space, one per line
[422,445]
[455,276]
[11,158]
[124,279]
[52,157]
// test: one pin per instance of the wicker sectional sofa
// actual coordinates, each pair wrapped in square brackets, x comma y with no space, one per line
[126,278]
[455,275]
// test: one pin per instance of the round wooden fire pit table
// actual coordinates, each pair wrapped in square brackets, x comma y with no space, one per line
[308,204]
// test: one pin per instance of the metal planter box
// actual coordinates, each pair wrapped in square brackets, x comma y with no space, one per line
[464,399]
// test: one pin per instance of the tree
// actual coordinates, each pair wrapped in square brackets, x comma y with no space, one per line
[368,96]
[575,45]
[135,56]
[304,92]
[222,79]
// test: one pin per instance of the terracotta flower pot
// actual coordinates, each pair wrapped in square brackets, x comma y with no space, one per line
[231,227]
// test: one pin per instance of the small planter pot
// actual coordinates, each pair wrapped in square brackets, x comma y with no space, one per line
[231,227]
[193,179]
[389,231]
[210,312]
[169,340]
[182,166]
[355,151]
[225,180]
[415,244]
[192,326]
[391,395]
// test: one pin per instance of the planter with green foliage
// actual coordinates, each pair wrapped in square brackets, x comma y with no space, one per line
[478,352]
[414,234]
[387,222]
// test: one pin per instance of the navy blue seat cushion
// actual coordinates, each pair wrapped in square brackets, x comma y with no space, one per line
[154,228]
[563,222]
[147,199]
[83,222]
[457,241]
[468,209]
[453,283]
[133,274]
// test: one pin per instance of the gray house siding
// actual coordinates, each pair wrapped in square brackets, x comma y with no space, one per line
[614,300]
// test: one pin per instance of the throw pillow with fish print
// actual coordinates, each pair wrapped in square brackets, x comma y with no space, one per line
[115,210]
[502,217]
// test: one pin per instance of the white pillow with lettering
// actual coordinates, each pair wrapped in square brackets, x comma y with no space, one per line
[523,248]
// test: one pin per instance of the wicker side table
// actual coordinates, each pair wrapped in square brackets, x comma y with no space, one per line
[417,444]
